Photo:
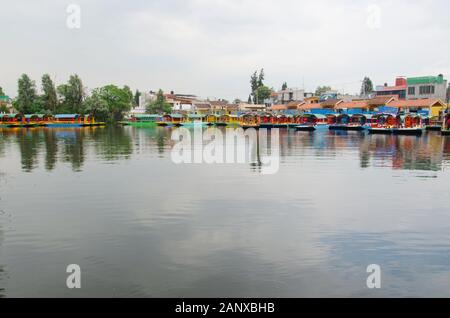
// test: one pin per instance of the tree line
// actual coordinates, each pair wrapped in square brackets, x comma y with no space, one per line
[107,103]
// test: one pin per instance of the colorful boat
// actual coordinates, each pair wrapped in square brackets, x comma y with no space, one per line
[165,120]
[19,121]
[142,120]
[341,123]
[410,124]
[446,125]
[307,122]
[233,121]
[432,123]
[267,120]
[358,122]
[73,120]
[382,124]
[211,119]
[194,120]
[281,121]
[249,121]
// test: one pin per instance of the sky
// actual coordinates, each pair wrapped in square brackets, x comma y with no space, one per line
[211,47]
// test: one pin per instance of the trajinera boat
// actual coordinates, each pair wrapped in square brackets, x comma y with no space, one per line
[73,120]
[308,122]
[249,121]
[194,120]
[142,120]
[382,124]
[409,124]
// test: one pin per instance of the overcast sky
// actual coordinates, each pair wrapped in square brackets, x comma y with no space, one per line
[211,47]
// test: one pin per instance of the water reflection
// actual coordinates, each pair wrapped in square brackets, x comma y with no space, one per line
[429,152]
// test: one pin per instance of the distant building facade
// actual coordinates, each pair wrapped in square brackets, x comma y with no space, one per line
[432,87]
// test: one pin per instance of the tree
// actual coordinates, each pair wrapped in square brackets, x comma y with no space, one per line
[96,105]
[262,93]
[261,78]
[1,92]
[72,94]
[26,97]
[322,90]
[284,86]
[159,105]
[116,100]
[250,99]
[49,97]
[256,81]
[136,97]
[366,87]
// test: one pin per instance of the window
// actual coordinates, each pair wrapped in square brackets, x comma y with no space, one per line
[426,90]
[411,91]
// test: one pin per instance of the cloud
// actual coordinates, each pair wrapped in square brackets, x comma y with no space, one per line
[211,47]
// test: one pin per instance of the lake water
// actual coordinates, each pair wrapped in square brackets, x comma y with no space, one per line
[113,201]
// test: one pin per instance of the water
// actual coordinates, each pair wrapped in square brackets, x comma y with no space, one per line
[113,201]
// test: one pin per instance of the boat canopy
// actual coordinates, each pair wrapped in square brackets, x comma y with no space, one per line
[176,116]
[67,116]
[195,116]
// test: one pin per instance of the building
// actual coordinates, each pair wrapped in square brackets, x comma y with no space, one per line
[290,94]
[398,90]
[144,99]
[427,106]
[431,87]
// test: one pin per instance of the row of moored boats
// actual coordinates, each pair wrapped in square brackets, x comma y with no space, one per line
[382,123]
[40,120]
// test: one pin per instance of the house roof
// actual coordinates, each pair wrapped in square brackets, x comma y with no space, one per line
[426,102]
[353,104]
[382,100]
[202,105]
[331,103]
[307,106]
[278,107]
[391,88]
[294,104]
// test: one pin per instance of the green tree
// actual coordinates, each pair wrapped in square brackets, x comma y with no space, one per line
[1,92]
[284,86]
[159,105]
[26,96]
[257,81]
[262,93]
[72,94]
[49,97]
[96,105]
[261,78]
[322,89]
[366,87]
[116,101]
[136,97]
[250,99]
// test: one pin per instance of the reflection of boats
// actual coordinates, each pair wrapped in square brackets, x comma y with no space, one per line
[410,124]
[382,124]
[446,125]
[249,121]
[142,120]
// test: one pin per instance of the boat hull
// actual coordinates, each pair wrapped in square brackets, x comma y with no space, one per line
[305,128]
[346,127]
[383,131]
[445,132]
[407,131]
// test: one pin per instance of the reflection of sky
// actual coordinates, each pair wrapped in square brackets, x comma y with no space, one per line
[147,227]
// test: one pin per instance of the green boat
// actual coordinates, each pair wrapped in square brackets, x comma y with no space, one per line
[142,120]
